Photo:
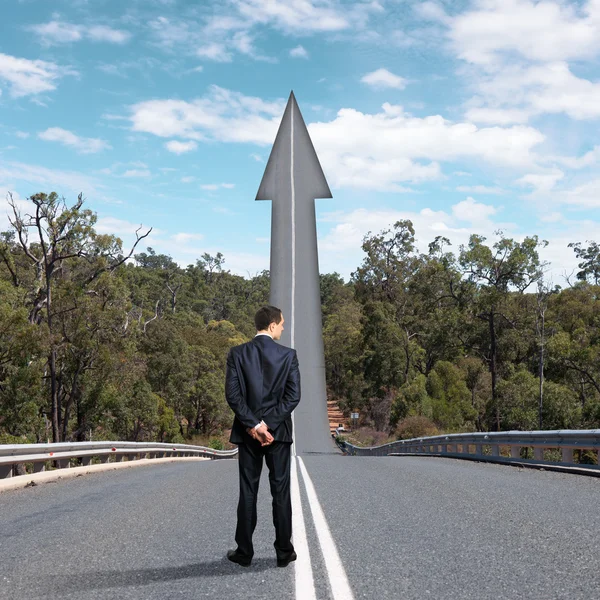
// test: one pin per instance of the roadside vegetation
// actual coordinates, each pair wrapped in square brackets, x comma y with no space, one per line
[103,342]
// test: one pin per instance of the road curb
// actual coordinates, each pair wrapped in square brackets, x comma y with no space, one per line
[22,481]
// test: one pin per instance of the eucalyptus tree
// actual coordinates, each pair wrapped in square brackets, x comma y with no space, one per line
[61,238]
[390,325]
[590,261]
[501,269]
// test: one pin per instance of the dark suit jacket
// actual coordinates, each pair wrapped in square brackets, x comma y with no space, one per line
[262,383]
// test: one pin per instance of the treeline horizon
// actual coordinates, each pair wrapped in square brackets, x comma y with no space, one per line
[101,342]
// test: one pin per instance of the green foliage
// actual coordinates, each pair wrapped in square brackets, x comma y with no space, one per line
[94,347]
[216,444]
[416,427]
[450,398]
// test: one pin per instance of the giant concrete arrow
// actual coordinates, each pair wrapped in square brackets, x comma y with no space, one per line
[293,180]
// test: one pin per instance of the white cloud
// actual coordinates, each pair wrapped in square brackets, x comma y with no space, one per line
[118,227]
[169,33]
[6,211]
[340,248]
[180,147]
[535,89]
[474,212]
[294,15]
[588,159]
[498,116]
[187,179]
[29,77]
[22,135]
[59,32]
[29,179]
[586,195]
[383,150]
[221,115]
[538,31]
[215,186]
[380,151]
[137,173]
[82,145]
[101,33]
[553,217]
[542,182]
[214,51]
[518,54]
[257,158]
[479,189]
[382,78]
[298,52]
[231,27]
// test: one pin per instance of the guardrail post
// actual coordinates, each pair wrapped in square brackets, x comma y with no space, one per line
[495,448]
[479,449]
[39,467]
[515,451]
[567,455]
[538,453]
[86,461]
[5,471]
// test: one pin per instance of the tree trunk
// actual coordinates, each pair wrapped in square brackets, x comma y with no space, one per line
[493,367]
[72,398]
[541,370]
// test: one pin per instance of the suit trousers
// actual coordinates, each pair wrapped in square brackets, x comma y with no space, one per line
[277,455]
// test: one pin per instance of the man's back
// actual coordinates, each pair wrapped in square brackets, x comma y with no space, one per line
[266,376]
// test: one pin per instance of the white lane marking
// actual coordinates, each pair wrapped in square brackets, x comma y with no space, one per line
[293,230]
[335,569]
[305,585]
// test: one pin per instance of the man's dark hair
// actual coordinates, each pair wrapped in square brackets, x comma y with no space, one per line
[265,316]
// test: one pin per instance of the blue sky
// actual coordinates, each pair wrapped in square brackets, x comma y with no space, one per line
[465,117]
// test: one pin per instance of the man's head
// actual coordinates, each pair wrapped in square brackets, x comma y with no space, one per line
[269,319]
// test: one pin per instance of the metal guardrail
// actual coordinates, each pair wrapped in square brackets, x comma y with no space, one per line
[12,455]
[549,447]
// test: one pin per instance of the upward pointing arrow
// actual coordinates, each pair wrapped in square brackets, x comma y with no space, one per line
[293,179]
[301,152]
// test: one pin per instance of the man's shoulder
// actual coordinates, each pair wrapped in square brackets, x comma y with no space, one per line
[239,347]
[235,350]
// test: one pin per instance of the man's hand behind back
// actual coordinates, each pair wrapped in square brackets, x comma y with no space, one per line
[261,434]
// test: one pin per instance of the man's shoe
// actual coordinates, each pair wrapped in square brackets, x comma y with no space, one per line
[241,560]
[284,562]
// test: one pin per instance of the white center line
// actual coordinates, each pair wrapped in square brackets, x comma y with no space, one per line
[335,569]
[305,585]
[293,228]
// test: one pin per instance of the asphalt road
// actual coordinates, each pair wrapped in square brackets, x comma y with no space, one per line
[404,528]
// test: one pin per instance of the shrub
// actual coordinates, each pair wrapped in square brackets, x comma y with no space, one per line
[414,427]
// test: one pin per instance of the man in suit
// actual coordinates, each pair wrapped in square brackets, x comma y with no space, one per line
[262,388]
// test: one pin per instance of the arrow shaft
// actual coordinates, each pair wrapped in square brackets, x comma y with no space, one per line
[292,180]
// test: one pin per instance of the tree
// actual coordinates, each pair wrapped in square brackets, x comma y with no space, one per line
[590,261]
[496,271]
[61,234]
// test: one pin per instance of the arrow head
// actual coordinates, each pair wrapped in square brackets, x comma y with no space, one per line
[293,158]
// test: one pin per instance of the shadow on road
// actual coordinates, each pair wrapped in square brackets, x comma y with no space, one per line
[85,581]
